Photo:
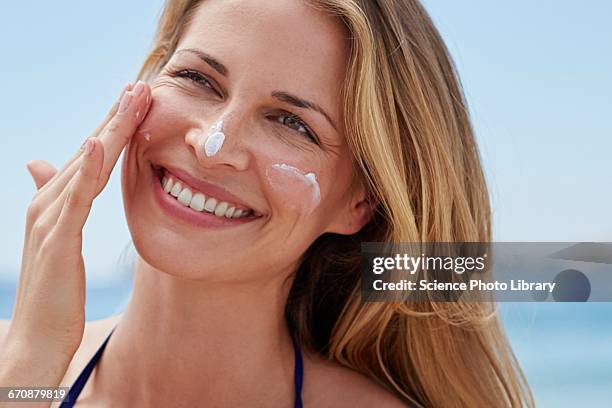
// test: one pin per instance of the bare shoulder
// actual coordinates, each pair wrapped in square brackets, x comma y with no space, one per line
[328,384]
[93,336]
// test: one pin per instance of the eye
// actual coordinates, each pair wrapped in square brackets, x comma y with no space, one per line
[294,122]
[196,77]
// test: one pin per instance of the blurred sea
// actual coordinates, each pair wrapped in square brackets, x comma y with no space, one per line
[565,349]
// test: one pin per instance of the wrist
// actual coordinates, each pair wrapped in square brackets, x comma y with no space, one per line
[24,363]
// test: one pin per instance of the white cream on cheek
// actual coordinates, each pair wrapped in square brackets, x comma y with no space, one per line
[215,139]
[144,132]
[147,136]
[301,188]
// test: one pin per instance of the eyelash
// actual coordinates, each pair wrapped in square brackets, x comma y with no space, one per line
[201,80]
[196,77]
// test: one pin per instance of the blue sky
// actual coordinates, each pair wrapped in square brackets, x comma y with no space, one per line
[537,76]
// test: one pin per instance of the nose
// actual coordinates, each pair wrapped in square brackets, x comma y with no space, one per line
[217,143]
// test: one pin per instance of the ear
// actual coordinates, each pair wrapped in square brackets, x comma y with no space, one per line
[357,212]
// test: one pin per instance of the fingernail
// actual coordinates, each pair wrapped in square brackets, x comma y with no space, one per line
[125,101]
[124,90]
[138,88]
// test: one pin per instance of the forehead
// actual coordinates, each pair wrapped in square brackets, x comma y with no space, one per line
[287,44]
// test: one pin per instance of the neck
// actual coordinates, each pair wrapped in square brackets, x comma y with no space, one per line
[222,344]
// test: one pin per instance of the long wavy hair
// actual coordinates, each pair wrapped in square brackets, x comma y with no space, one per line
[408,127]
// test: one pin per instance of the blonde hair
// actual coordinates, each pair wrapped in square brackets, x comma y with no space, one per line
[408,128]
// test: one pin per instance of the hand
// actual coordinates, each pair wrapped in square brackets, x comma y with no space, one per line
[49,310]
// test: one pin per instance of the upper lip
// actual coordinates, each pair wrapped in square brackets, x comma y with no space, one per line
[208,189]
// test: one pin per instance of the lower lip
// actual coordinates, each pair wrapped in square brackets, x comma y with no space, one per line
[174,209]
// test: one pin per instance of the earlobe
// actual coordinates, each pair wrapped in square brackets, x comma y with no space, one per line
[355,216]
[363,213]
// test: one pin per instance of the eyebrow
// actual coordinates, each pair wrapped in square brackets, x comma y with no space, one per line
[209,59]
[280,95]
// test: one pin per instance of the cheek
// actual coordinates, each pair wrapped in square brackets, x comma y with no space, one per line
[298,190]
[164,115]
[162,120]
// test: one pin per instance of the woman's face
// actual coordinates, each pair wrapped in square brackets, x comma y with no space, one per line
[248,112]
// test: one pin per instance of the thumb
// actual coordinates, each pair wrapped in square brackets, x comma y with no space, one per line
[41,172]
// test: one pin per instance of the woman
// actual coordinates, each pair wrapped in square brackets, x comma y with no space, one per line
[270,139]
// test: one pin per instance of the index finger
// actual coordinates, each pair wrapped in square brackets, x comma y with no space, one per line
[131,111]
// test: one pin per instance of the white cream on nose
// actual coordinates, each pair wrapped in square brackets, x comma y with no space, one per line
[215,139]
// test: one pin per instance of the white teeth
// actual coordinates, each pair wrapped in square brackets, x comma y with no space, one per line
[198,201]
[168,185]
[210,205]
[176,189]
[185,197]
[220,210]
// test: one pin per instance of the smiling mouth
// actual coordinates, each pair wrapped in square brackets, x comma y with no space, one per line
[198,201]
